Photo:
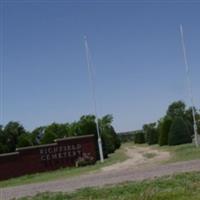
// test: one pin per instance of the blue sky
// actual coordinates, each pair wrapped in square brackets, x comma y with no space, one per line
[136,52]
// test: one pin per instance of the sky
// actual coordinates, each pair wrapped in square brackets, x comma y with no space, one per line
[136,53]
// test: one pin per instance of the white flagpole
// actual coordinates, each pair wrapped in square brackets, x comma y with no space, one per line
[189,86]
[91,77]
[2,60]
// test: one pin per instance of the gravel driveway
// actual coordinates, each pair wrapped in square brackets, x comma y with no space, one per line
[99,179]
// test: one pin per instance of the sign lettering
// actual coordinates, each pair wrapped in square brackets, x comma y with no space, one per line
[65,151]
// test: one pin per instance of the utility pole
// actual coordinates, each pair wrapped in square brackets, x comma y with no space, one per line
[187,69]
[92,83]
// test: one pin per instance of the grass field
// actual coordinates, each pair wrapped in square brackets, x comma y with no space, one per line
[118,156]
[182,152]
[178,187]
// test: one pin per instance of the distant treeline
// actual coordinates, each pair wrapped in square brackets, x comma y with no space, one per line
[14,135]
[127,136]
[175,128]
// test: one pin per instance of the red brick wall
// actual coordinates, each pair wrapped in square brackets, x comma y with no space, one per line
[62,153]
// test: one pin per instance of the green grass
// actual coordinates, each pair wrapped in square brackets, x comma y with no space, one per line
[118,156]
[182,152]
[149,155]
[178,187]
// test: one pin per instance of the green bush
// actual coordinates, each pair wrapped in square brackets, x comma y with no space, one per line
[179,132]
[126,136]
[153,136]
[86,159]
[110,140]
[151,133]
[48,137]
[115,136]
[176,109]
[164,131]
[12,131]
[24,140]
[139,137]
[14,135]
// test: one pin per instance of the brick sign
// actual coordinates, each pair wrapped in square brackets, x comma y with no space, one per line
[63,153]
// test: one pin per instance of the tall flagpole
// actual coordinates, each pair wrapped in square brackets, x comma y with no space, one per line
[189,86]
[2,61]
[92,82]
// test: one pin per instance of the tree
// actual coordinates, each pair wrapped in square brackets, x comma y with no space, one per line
[24,140]
[12,131]
[176,109]
[14,135]
[1,135]
[164,129]
[3,146]
[87,125]
[106,121]
[74,129]
[110,140]
[37,134]
[151,133]
[107,142]
[190,121]
[105,124]
[52,132]
[63,130]
[48,137]
[139,137]
[179,133]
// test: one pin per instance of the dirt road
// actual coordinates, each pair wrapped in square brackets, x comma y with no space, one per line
[139,157]
[143,163]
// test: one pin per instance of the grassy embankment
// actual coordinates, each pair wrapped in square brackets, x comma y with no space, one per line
[178,187]
[182,152]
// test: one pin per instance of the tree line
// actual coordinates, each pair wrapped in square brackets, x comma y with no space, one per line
[13,135]
[175,128]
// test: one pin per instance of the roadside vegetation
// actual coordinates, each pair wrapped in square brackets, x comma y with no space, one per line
[173,132]
[182,152]
[13,135]
[174,128]
[178,187]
